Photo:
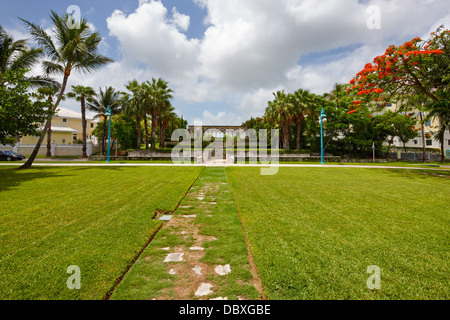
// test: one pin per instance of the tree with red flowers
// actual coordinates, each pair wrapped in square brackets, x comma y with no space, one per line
[415,68]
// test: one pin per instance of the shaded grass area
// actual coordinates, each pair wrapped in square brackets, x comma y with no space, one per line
[219,228]
[94,218]
[315,231]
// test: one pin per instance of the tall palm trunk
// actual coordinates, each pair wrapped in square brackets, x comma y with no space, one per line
[286,135]
[49,140]
[49,134]
[146,131]
[83,121]
[154,120]
[33,155]
[139,131]
[300,119]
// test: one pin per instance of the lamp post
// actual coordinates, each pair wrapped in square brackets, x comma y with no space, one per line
[322,115]
[108,113]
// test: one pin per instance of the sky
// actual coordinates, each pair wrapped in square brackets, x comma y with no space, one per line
[225,58]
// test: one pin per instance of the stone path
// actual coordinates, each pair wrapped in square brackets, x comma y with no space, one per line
[200,253]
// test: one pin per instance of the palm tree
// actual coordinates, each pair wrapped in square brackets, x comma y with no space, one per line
[134,106]
[15,55]
[49,93]
[160,96]
[81,94]
[166,117]
[301,101]
[100,102]
[280,110]
[73,49]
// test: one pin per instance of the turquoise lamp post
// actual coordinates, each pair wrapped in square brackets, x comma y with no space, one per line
[108,113]
[322,115]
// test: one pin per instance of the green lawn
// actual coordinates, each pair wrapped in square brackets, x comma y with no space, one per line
[95,218]
[314,232]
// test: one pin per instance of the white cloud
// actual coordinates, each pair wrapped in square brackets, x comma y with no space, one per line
[181,20]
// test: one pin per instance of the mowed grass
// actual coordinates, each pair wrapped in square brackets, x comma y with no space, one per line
[315,231]
[95,218]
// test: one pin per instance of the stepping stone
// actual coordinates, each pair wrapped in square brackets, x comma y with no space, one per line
[183,232]
[185,207]
[165,218]
[196,249]
[198,270]
[172,272]
[166,249]
[200,198]
[190,216]
[219,298]
[213,202]
[174,257]
[204,290]
[223,270]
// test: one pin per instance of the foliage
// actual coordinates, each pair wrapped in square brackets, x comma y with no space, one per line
[20,111]
[16,55]
[124,130]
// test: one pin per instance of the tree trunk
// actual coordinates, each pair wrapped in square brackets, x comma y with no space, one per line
[154,119]
[31,159]
[139,132]
[161,129]
[299,130]
[423,136]
[49,140]
[83,122]
[146,131]
[286,136]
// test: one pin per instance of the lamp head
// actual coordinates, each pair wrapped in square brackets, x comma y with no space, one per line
[108,111]
[322,114]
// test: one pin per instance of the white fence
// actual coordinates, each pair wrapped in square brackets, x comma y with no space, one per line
[75,150]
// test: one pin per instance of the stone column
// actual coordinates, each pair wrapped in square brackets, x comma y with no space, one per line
[89,148]
[53,149]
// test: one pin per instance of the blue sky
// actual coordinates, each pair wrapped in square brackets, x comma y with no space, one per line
[225,58]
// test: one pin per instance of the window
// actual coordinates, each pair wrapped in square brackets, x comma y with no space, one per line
[416,142]
[75,137]
[449,142]
[63,141]
[428,124]
[64,120]
[429,143]
[92,125]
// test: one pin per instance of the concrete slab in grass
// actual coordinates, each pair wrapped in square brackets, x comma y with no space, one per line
[174,257]
[165,218]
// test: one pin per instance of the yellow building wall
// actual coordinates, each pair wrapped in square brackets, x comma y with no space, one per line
[75,124]
[57,137]
[67,137]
